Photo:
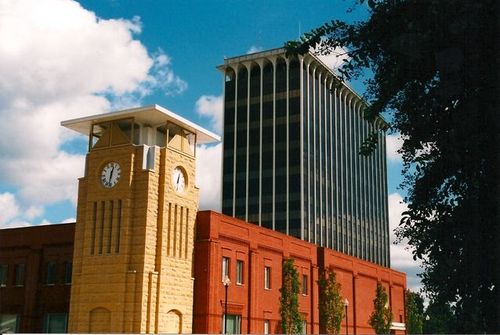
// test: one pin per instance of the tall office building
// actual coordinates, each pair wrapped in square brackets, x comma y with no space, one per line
[291,162]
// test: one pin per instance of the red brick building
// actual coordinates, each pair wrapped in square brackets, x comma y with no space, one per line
[252,257]
[35,278]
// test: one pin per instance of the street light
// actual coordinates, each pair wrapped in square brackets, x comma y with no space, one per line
[226,283]
[346,304]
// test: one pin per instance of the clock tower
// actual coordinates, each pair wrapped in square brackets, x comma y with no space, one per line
[134,236]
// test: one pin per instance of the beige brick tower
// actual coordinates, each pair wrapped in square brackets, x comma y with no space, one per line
[137,205]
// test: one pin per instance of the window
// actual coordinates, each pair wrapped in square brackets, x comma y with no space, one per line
[68,269]
[233,324]
[3,274]
[55,323]
[225,267]
[239,272]
[51,273]
[267,326]
[304,284]
[19,272]
[267,277]
[9,323]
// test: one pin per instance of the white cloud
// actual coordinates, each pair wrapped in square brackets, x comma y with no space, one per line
[47,222]
[163,77]
[33,212]
[59,61]
[401,257]
[335,59]
[211,106]
[254,49]
[8,207]
[208,176]
[46,180]
[11,213]
[394,143]
[396,207]
[16,224]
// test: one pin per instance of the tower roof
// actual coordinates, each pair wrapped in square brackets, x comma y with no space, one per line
[311,58]
[147,115]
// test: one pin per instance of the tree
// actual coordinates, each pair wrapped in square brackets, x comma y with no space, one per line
[434,67]
[381,317]
[414,312]
[331,305]
[291,320]
[439,319]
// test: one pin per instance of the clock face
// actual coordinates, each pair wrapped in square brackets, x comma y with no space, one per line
[178,179]
[110,174]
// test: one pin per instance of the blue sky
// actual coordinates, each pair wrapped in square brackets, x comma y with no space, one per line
[197,35]
[61,59]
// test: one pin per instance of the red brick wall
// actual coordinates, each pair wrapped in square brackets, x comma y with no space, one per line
[359,281]
[220,236]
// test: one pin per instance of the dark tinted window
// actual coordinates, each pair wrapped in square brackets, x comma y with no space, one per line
[19,275]
[51,273]
[3,274]
[68,270]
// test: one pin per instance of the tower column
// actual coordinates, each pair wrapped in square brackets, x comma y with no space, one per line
[287,60]
[301,101]
[351,237]
[308,112]
[248,66]
[314,220]
[236,71]
[274,62]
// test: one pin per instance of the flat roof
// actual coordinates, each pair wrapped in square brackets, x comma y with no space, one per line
[151,115]
[228,61]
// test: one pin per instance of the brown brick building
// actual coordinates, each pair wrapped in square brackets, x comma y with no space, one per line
[35,278]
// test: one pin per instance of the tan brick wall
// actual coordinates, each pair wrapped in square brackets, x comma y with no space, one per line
[146,286]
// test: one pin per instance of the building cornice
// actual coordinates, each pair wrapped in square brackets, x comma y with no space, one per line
[310,58]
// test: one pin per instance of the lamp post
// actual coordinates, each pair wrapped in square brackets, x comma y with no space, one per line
[346,304]
[226,283]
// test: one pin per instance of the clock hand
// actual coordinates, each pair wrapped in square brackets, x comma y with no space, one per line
[111,174]
[178,177]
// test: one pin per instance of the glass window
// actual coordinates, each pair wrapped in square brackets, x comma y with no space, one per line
[267,277]
[239,272]
[161,132]
[3,274]
[51,273]
[304,284]
[225,267]
[9,323]
[19,272]
[55,323]
[267,326]
[68,269]
[233,324]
